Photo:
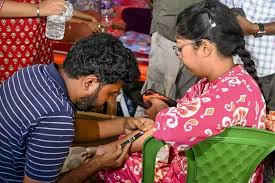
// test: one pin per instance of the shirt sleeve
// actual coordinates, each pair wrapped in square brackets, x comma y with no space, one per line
[47,146]
[201,117]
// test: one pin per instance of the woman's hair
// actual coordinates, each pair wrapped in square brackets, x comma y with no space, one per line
[104,56]
[215,22]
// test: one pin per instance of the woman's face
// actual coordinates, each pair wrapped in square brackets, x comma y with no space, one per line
[188,53]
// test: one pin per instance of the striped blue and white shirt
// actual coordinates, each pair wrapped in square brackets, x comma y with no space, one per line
[262,49]
[36,124]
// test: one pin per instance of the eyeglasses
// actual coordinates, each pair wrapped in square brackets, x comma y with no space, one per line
[178,50]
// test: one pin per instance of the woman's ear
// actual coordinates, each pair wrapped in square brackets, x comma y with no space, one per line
[206,48]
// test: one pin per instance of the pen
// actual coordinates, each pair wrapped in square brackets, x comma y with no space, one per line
[132,139]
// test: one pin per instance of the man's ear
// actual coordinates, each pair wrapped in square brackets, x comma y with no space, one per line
[90,82]
[206,48]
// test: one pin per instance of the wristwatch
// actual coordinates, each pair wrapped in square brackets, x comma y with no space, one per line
[261,31]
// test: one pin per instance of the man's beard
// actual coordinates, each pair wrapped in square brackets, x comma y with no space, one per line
[88,103]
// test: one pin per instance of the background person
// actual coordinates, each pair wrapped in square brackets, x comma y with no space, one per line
[23,25]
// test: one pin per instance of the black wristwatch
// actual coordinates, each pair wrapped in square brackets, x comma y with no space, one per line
[261,31]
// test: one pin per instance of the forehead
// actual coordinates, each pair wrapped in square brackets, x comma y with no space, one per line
[181,40]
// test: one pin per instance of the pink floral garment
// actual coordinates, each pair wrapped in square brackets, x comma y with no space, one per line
[207,108]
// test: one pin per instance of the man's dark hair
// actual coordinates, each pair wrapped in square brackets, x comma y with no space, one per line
[105,57]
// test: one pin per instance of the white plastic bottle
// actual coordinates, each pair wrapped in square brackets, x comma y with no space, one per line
[55,27]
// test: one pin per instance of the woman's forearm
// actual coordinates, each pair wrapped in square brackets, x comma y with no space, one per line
[137,144]
[18,9]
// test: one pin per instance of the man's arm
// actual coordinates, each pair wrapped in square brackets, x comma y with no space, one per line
[270,28]
[21,9]
[47,145]
[111,159]
[136,146]
[250,28]
[109,128]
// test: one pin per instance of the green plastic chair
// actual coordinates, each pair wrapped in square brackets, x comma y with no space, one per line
[230,157]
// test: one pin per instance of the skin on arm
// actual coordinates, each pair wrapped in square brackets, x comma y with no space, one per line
[157,106]
[107,128]
[147,126]
[250,28]
[130,128]
[111,159]
[136,146]
[21,9]
[110,128]
[117,126]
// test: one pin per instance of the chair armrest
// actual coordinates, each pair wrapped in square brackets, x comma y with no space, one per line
[150,149]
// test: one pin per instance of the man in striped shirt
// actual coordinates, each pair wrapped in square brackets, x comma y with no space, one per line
[37,106]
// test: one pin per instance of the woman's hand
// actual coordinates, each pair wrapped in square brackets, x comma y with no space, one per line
[52,7]
[133,124]
[157,106]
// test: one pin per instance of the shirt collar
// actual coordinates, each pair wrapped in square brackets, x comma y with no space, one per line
[56,76]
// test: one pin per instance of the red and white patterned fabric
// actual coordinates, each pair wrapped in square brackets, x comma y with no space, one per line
[23,43]
[233,99]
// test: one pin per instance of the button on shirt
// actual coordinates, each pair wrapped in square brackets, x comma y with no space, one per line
[262,49]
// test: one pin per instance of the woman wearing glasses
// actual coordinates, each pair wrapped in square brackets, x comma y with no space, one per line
[208,35]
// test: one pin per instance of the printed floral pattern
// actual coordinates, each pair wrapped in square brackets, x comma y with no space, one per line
[23,43]
[207,108]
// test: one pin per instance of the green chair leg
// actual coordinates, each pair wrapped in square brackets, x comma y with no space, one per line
[149,158]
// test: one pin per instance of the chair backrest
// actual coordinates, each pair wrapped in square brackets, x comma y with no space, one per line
[231,156]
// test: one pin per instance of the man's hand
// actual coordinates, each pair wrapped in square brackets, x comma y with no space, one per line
[113,158]
[157,106]
[106,148]
[88,154]
[133,124]
[248,27]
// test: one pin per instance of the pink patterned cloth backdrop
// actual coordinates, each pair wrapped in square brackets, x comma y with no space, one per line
[233,99]
[23,43]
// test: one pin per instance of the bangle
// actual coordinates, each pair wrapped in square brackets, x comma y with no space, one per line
[37,11]
[1,3]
